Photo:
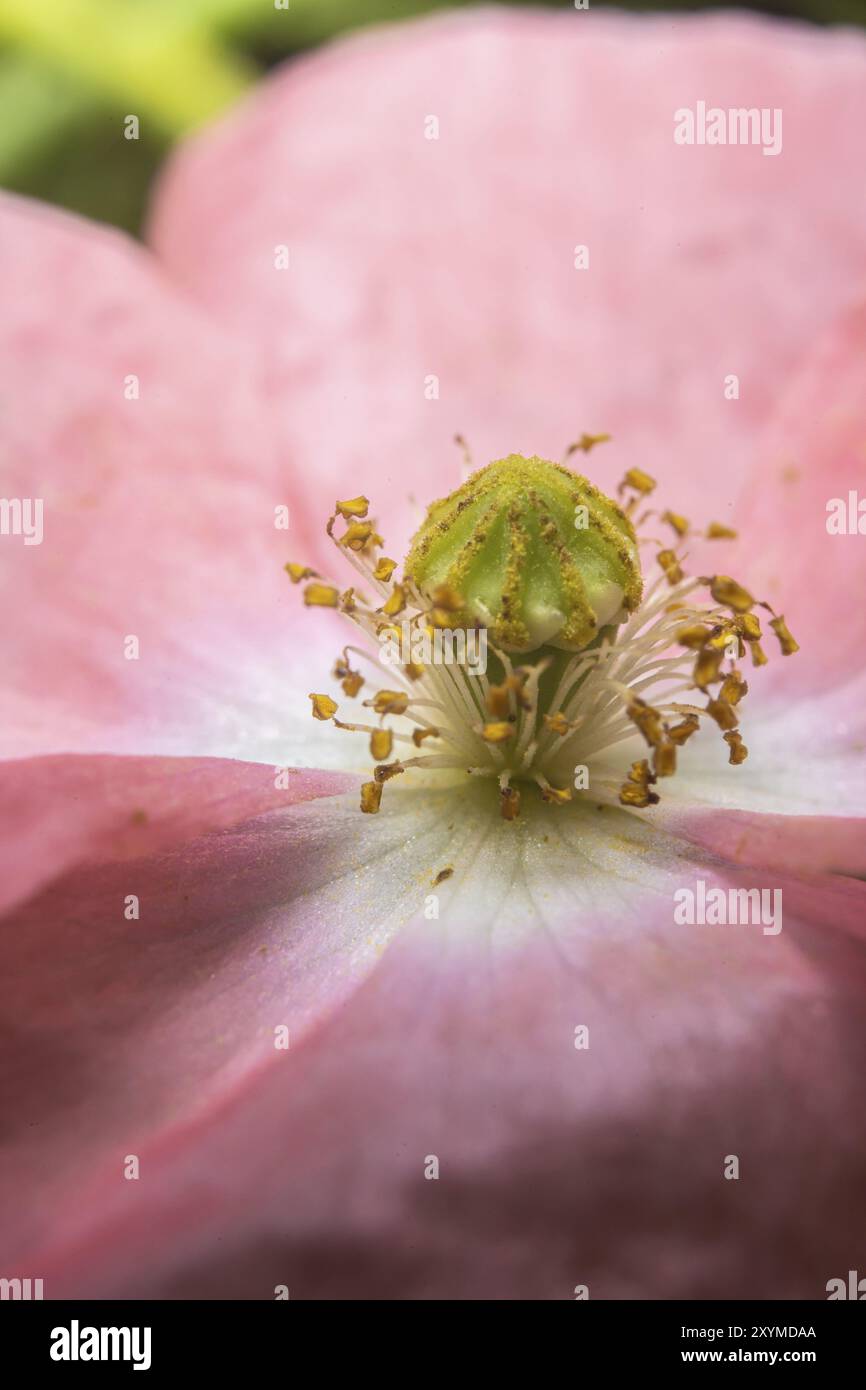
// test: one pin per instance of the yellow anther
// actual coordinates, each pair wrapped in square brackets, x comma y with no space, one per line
[638,481]
[389,702]
[679,523]
[724,714]
[586,442]
[440,617]
[389,770]
[748,625]
[509,803]
[739,751]
[759,656]
[371,796]
[707,668]
[321,596]
[733,688]
[357,534]
[347,601]
[396,601]
[557,796]
[419,735]
[499,732]
[414,670]
[730,594]
[356,506]
[323,706]
[443,874]
[352,683]
[498,701]
[723,637]
[717,532]
[640,772]
[647,719]
[557,723]
[684,730]
[636,791]
[786,641]
[665,759]
[384,569]
[671,566]
[298,572]
[381,743]
[445,597]
[693,636]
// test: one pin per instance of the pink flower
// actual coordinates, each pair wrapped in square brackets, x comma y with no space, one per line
[172,903]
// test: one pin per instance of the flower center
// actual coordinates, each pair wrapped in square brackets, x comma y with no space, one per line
[521,644]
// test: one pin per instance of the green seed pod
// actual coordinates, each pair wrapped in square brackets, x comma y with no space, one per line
[537,554]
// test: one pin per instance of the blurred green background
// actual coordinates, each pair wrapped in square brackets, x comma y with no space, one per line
[72,70]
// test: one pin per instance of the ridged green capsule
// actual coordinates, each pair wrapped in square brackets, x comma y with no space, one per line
[539,556]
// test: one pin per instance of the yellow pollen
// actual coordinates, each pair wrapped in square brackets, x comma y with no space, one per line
[717,532]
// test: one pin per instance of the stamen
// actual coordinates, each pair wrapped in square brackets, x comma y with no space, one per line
[636,672]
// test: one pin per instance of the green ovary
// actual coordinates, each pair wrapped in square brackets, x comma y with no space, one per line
[506,541]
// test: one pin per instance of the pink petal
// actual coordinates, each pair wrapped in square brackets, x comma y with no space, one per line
[454,257]
[159,513]
[558,1166]
[57,813]
[814,452]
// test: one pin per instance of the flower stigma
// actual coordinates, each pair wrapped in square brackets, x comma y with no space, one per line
[522,642]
